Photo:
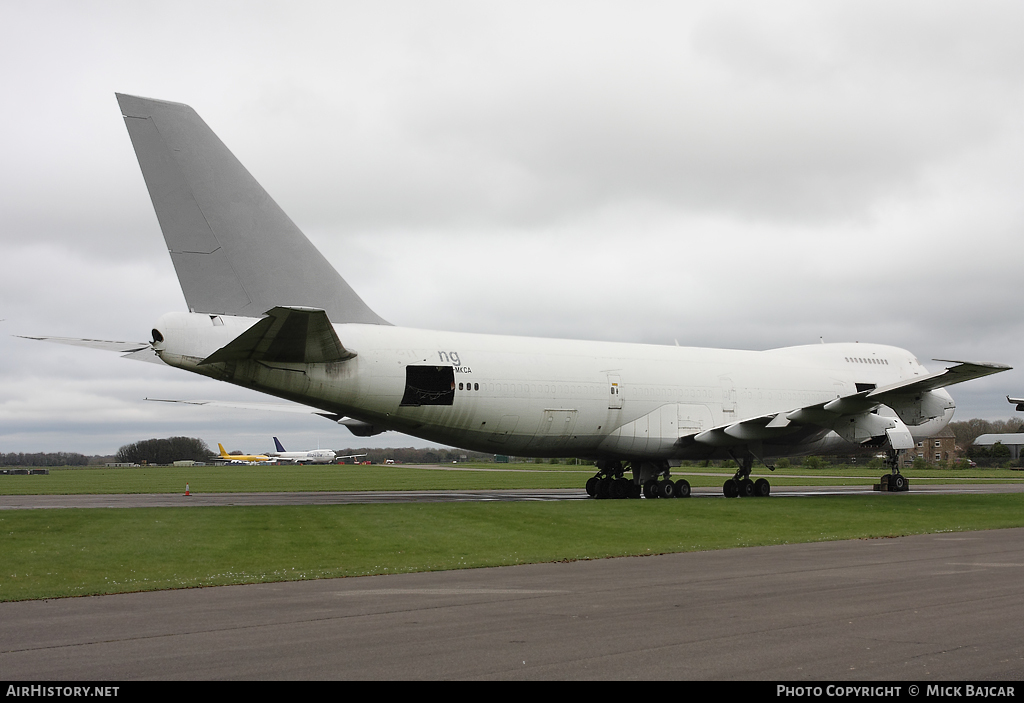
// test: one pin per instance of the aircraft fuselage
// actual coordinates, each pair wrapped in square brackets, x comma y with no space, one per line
[552,397]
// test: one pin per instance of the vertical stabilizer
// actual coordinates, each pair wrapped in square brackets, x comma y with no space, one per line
[234,250]
[277,443]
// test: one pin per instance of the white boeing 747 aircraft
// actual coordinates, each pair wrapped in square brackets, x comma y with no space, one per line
[266,311]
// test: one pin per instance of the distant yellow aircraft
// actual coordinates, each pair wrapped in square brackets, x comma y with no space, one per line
[241,457]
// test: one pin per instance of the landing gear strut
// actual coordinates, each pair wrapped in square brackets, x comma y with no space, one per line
[894,480]
[741,484]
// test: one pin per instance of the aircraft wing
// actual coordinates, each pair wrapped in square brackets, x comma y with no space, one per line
[356,427]
[137,351]
[853,417]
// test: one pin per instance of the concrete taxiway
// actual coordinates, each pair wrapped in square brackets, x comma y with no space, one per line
[169,500]
[921,608]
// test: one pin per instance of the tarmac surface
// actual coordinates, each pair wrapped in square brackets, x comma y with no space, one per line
[941,607]
[169,500]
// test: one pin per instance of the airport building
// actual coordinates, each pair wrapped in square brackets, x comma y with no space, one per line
[1012,441]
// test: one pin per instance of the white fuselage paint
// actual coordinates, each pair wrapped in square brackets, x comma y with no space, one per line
[553,397]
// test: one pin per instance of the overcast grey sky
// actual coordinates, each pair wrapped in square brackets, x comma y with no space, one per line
[745,175]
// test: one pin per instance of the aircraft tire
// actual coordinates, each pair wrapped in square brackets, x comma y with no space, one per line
[898,482]
[682,488]
[762,488]
[746,488]
[651,489]
[592,486]
[619,489]
[730,489]
[666,489]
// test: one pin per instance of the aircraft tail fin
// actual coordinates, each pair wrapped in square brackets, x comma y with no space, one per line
[222,452]
[277,443]
[234,250]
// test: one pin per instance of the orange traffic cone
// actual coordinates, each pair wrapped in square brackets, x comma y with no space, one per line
[186,489]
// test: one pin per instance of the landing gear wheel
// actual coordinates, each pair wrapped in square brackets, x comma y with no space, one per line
[619,488]
[762,488]
[651,489]
[603,486]
[682,488]
[730,489]
[592,486]
[666,489]
[898,483]
[746,488]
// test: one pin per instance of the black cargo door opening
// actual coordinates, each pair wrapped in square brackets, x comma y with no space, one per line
[429,385]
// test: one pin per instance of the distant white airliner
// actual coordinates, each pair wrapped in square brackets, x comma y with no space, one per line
[313,456]
[268,312]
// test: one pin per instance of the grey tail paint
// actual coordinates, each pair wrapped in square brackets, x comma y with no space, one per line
[234,250]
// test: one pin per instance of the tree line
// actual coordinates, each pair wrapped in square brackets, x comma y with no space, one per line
[44,459]
[167,451]
[164,451]
[969,430]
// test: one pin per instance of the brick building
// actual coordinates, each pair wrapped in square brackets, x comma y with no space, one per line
[941,447]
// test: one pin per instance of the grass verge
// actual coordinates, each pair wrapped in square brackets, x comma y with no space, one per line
[56,553]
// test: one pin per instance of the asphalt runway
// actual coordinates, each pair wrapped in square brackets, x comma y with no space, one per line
[944,607]
[167,500]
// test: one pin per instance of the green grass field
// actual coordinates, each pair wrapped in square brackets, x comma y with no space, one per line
[55,553]
[247,479]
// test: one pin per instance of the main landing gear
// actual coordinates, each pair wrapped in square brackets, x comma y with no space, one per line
[741,484]
[650,480]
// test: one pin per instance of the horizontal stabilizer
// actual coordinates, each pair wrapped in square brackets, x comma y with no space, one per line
[287,335]
[357,427]
[276,407]
[137,351]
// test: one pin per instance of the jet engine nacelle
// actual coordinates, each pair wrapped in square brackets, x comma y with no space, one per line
[921,407]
